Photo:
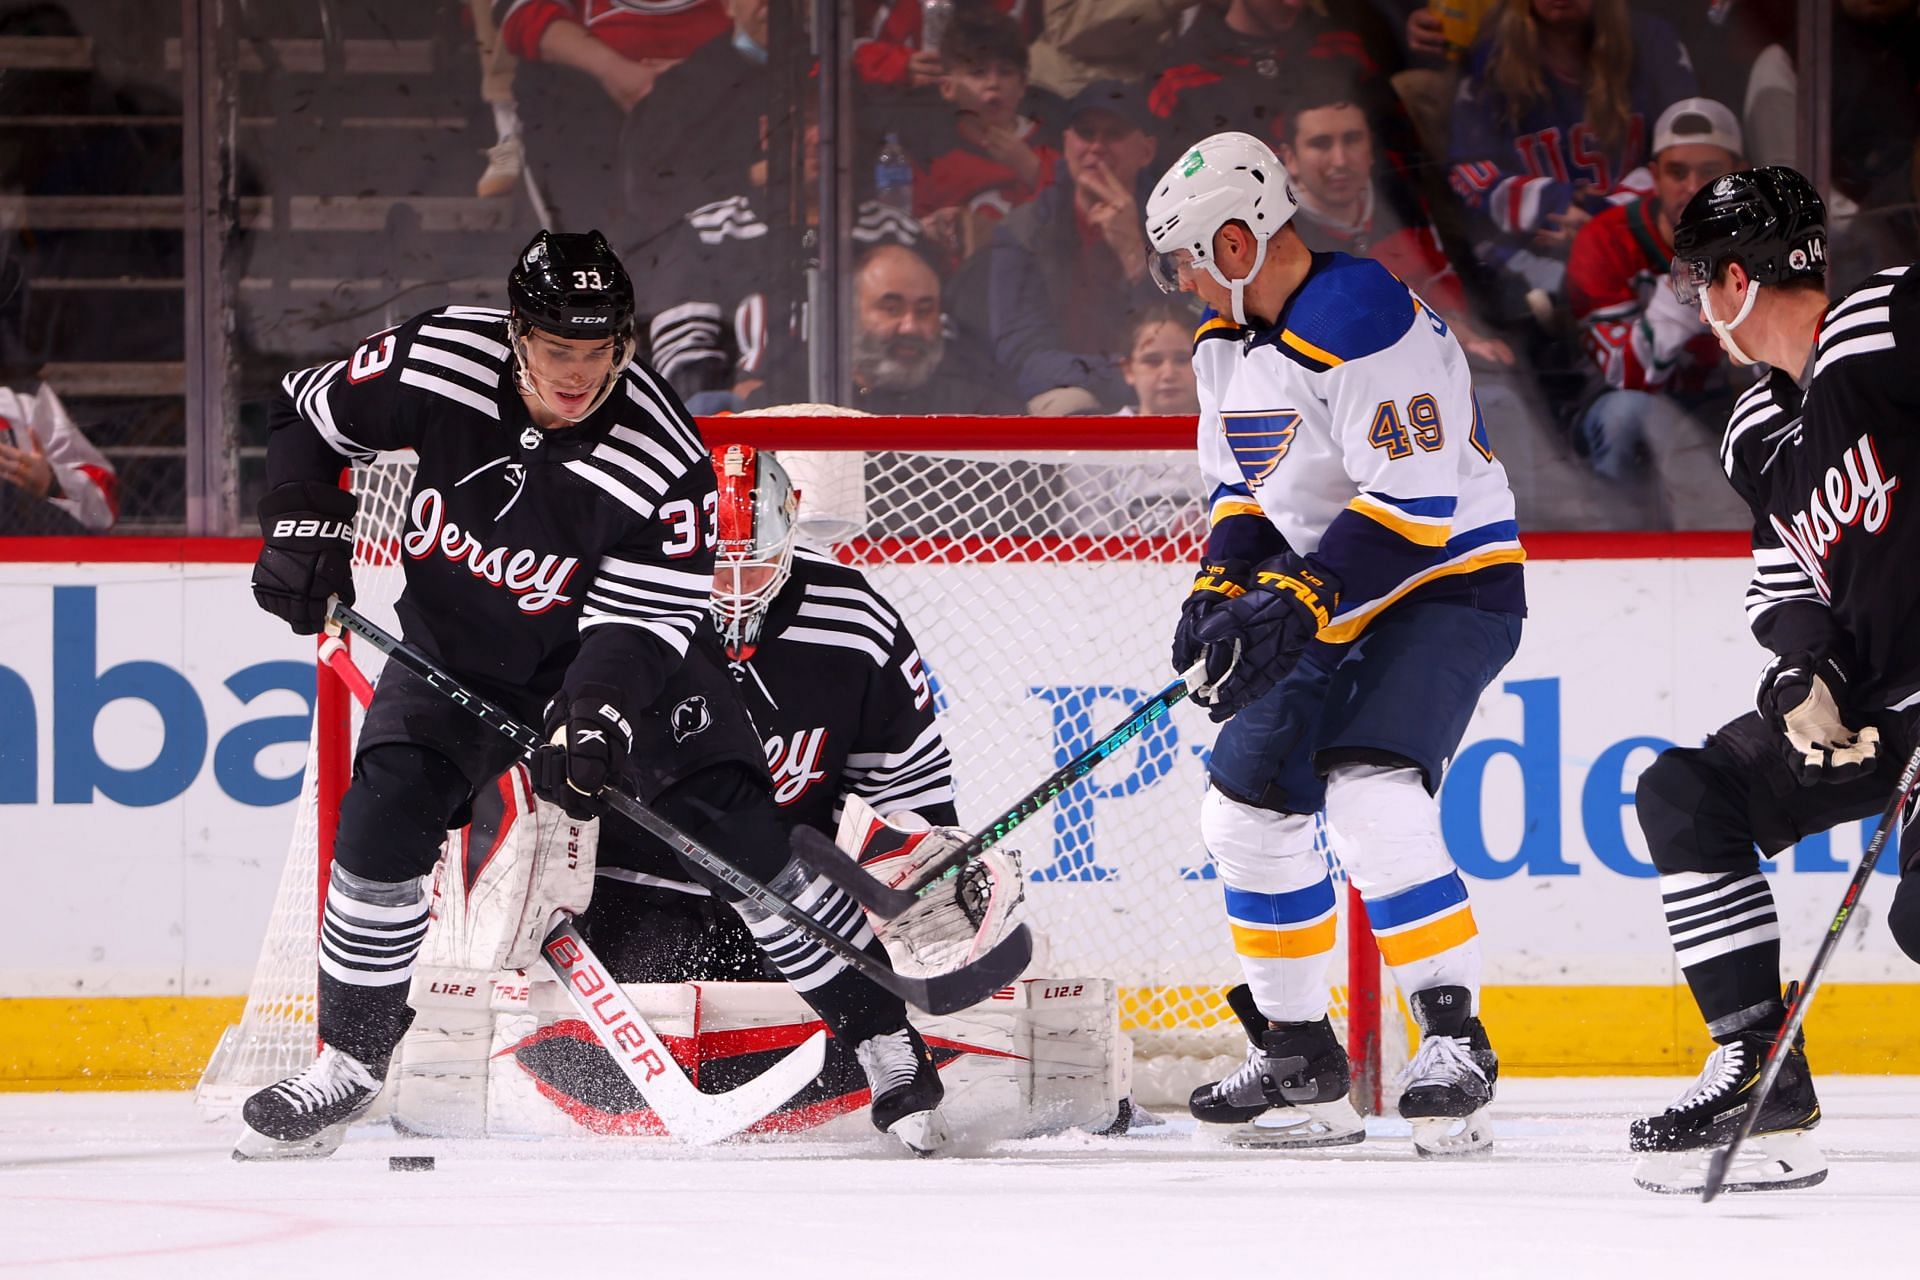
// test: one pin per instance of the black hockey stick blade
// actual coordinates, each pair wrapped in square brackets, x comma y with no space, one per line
[825,858]
[968,985]
[1890,821]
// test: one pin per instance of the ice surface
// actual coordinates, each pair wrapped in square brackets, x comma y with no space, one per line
[136,1185]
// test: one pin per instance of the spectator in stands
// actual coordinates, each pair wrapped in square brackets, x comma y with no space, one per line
[1228,68]
[1352,204]
[1159,360]
[703,137]
[1068,269]
[507,158]
[1550,127]
[992,157]
[585,65]
[1081,41]
[898,54]
[52,480]
[906,357]
[1659,383]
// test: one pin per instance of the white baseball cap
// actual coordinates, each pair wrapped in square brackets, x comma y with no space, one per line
[1697,120]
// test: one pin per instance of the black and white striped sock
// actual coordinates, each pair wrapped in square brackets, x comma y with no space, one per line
[803,960]
[371,930]
[1726,936]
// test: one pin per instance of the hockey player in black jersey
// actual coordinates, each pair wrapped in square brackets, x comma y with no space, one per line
[844,707]
[1817,448]
[558,560]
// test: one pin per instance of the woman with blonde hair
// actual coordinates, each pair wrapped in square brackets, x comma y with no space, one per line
[1551,124]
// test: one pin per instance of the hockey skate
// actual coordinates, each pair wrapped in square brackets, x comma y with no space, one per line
[1295,1078]
[1779,1156]
[905,1087]
[308,1115]
[1451,1078]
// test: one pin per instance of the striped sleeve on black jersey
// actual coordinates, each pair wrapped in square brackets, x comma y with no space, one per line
[844,617]
[667,602]
[1860,323]
[644,456]
[457,354]
[309,389]
[1777,579]
[916,777]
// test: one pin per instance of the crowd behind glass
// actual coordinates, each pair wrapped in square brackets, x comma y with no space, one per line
[1519,163]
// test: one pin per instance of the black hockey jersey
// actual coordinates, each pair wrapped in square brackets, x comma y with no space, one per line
[1821,467]
[843,702]
[526,551]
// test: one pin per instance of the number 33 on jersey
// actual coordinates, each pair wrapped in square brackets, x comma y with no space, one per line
[1350,429]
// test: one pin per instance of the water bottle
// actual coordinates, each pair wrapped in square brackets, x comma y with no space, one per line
[934,17]
[893,175]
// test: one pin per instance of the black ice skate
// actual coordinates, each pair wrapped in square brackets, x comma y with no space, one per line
[307,1115]
[1778,1157]
[1450,1080]
[1295,1076]
[906,1089]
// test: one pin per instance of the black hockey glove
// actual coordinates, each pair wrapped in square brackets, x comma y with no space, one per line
[1213,586]
[1809,700]
[308,556]
[587,743]
[1253,642]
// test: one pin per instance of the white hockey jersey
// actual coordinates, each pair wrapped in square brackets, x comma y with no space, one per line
[1351,430]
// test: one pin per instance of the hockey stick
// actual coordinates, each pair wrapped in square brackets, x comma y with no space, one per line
[1722,1161]
[941,993]
[688,1113]
[685,1111]
[823,857]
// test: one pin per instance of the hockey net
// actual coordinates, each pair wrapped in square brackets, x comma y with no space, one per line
[1039,564]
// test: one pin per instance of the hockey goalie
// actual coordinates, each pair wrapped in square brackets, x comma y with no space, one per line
[837,690]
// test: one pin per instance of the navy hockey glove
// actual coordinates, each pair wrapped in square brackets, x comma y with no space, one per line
[1253,642]
[1809,700]
[1213,586]
[308,556]
[587,744]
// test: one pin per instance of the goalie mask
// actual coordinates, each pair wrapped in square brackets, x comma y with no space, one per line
[753,551]
[570,285]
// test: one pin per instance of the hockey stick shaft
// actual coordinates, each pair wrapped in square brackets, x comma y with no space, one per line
[941,993]
[1890,822]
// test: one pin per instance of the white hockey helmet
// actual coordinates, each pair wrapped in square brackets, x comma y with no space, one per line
[753,542]
[1229,177]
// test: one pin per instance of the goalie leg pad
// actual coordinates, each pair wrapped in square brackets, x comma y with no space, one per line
[505,874]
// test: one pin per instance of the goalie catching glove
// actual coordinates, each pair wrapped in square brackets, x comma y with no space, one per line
[957,919]
[1808,699]
[1253,640]
[308,556]
[587,744]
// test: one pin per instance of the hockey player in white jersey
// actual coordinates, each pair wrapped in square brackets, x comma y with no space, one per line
[1362,585]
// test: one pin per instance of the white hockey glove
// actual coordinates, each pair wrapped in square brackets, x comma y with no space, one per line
[1803,697]
[959,918]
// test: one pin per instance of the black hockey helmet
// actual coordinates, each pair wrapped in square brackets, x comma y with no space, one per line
[571,283]
[1770,218]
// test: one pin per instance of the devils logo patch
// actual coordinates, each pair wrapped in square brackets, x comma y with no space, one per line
[690,717]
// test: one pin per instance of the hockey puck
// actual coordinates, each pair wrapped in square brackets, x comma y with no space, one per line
[409,1164]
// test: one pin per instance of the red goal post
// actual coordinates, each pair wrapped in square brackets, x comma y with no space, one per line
[1040,564]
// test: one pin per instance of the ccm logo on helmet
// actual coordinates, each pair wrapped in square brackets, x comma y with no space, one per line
[341,529]
[587,319]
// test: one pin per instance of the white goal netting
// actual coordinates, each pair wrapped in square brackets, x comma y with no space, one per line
[1041,586]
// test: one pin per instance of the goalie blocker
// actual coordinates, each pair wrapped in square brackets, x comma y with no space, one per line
[497,1049]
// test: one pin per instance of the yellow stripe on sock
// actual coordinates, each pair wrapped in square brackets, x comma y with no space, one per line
[1428,940]
[1284,944]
